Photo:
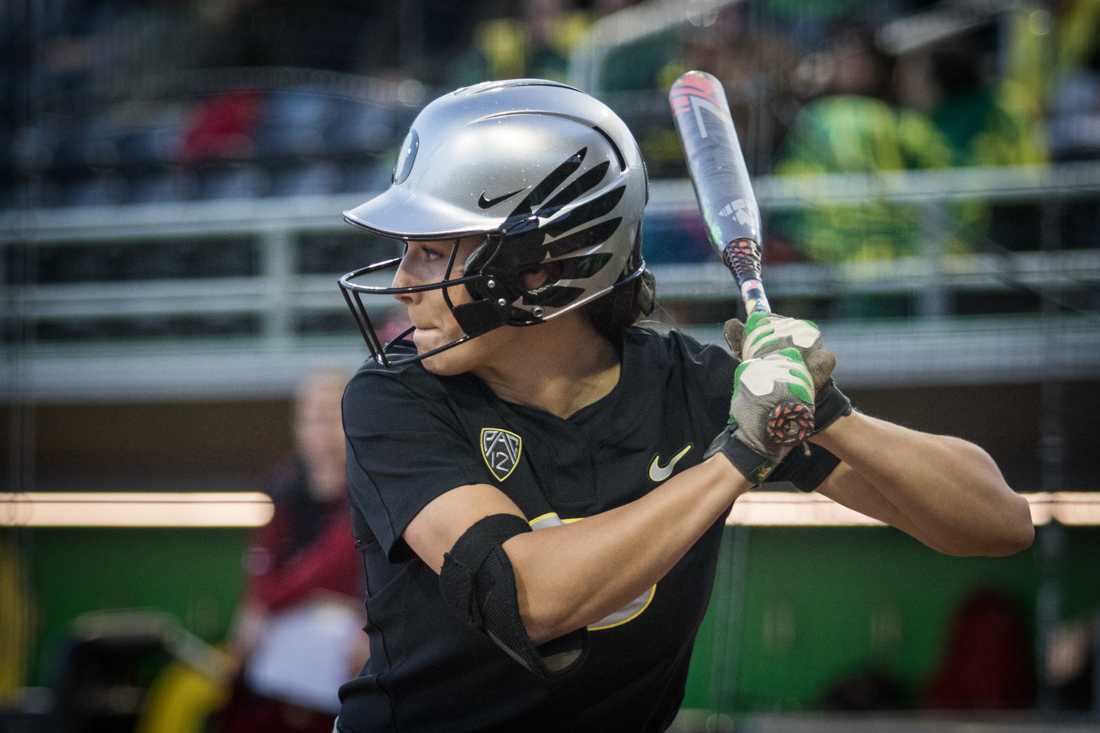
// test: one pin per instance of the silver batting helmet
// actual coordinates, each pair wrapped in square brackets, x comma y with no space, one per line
[543,172]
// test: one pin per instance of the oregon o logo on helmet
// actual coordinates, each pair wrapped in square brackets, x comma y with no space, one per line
[403,167]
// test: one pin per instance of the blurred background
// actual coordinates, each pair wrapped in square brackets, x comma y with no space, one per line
[173,539]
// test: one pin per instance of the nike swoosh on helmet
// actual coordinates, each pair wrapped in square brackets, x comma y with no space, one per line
[489,203]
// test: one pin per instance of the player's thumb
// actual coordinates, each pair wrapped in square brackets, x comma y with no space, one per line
[734,331]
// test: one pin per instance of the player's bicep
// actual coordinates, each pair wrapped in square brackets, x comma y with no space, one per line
[436,527]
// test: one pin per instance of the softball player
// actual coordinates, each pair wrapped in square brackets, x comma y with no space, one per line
[538,485]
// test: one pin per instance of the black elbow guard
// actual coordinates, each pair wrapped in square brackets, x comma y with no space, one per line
[479,585]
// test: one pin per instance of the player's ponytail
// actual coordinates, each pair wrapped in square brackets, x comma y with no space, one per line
[627,304]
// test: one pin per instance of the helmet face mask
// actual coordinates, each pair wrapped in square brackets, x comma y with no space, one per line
[548,177]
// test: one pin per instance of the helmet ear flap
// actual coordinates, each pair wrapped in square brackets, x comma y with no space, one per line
[497,286]
[476,262]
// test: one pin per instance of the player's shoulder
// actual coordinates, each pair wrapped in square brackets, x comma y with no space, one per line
[678,359]
[373,375]
[673,347]
[393,395]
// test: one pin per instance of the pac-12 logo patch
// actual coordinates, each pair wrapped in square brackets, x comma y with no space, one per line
[501,450]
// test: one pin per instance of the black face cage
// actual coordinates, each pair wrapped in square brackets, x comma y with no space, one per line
[353,295]
[493,292]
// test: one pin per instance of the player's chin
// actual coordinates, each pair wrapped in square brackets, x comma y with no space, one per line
[445,363]
[437,365]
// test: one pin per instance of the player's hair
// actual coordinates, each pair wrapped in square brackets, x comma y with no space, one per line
[617,311]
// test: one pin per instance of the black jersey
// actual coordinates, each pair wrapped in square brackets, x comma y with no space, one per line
[412,436]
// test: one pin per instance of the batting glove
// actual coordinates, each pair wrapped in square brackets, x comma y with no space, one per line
[766,333]
[771,409]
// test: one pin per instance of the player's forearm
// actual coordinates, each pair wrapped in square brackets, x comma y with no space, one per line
[573,575]
[950,489]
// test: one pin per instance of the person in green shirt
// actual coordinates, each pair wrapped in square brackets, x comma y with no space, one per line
[855,128]
[855,134]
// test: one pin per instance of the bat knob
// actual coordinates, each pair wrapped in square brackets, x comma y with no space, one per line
[790,422]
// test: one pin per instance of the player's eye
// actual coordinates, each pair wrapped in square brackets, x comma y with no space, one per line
[431,254]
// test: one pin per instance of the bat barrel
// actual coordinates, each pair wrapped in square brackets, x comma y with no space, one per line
[724,191]
[714,159]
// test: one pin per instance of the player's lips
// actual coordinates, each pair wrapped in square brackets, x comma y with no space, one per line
[419,335]
[426,339]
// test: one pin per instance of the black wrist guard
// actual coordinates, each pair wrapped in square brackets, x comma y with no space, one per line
[831,405]
[751,464]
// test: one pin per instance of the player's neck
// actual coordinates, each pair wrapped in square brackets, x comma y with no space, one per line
[560,366]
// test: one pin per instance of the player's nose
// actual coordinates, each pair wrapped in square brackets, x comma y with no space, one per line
[402,279]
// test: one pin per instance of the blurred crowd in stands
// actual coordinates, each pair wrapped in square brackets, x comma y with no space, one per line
[134,102]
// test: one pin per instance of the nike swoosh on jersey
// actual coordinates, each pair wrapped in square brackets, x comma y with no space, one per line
[489,203]
[659,473]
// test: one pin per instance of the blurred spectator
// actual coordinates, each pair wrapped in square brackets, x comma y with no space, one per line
[114,47]
[298,631]
[986,664]
[855,128]
[636,66]
[287,33]
[1046,42]
[976,119]
[973,115]
[18,613]
[755,64]
[223,127]
[303,548]
[1074,126]
[1073,92]
[1071,668]
[536,44]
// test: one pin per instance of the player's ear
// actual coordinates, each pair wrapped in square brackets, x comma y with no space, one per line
[536,277]
[532,279]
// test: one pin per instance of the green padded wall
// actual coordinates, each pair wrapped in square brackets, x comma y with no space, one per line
[792,608]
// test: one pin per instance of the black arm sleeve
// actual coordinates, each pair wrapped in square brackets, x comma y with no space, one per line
[479,585]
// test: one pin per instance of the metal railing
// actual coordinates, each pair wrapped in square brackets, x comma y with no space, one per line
[268,359]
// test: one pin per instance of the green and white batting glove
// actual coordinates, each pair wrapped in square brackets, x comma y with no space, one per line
[771,410]
[766,333]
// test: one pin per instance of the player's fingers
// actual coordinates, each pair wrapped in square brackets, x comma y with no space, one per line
[734,331]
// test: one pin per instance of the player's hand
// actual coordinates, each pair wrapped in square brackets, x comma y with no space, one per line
[769,394]
[766,333]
